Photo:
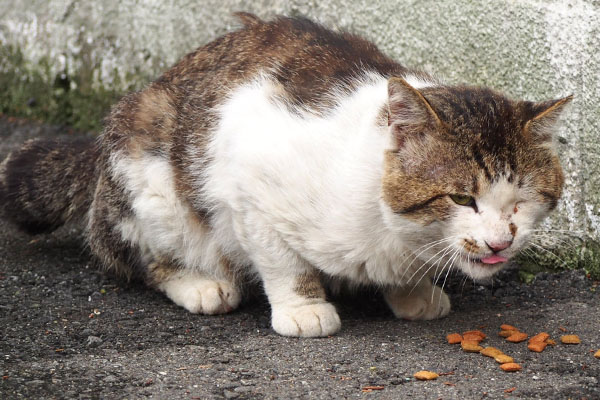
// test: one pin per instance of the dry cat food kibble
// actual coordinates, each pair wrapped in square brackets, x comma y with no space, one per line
[510,367]
[454,338]
[426,375]
[570,339]
[506,327]
[475,333]
[491,352]
[540,337]
[597,354]
[538,347]
[517,337]
[506,334]
[504,359]
[471,346]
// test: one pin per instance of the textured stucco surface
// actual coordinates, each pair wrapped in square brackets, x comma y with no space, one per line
[529,49]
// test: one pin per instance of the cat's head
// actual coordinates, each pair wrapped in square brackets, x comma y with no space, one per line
[471,171]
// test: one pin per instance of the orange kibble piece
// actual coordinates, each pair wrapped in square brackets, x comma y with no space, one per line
[597,354]
[475,332]
[551,342]
[570,339]
[506,327]
[454,338]
[510,367]
[540,337]
[538,347]
[491,352]
[503,359]
[425,375]
[506,334]
[517,337]
[471,346]
[471,337]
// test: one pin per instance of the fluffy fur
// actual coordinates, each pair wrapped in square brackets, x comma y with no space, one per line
[296,154]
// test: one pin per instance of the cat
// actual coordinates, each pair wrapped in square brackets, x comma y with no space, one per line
[297,155]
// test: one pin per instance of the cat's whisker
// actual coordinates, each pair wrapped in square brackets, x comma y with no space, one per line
[555,240]
[426,272]
[436,277]
[453,259]
[549,252]
[454,252]
[416,256]
[426,263]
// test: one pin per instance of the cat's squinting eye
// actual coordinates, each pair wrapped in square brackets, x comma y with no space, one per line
[463,200]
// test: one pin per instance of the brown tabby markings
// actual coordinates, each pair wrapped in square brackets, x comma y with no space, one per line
[469,132]
[160,271]
[470,246]
[309,285]
[513,229]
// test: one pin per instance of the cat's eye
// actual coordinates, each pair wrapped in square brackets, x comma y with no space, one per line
[463,200]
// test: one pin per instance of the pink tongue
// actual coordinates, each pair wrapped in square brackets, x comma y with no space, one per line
[495,259]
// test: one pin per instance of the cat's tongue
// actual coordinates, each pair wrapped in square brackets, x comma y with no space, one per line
[495,259]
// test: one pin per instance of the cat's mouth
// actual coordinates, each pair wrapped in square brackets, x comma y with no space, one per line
[489,260]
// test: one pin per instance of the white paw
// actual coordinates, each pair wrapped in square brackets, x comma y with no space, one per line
[310,320]
[419,304]
[201,295]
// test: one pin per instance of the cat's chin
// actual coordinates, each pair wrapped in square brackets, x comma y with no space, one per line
[480,271]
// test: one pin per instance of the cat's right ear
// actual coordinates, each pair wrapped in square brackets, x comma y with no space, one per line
[408,111]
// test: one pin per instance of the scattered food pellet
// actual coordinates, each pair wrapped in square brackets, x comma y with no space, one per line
[471,337]
[471,346]
[475,332]
[426,375]
[510,390]
[517,337]
[540,337]
[570,339]
[506,334]
[454,338]
[510,367]
[504,359]
[597,354]
[538,347]
[506,327]
[551,342]
[491,352]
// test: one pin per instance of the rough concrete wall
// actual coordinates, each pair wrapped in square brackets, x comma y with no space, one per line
[529,49]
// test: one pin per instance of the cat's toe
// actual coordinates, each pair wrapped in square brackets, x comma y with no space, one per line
[202,296]
[311,320]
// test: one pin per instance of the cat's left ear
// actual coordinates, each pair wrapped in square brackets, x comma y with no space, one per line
[542,117]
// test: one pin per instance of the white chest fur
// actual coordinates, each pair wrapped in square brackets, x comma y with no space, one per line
[314,181]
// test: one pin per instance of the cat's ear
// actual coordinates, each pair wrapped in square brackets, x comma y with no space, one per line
[541,117]
[408,111]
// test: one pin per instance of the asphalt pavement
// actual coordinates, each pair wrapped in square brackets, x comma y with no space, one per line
[70,331]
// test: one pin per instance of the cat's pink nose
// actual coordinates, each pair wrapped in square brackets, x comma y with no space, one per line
[498,246]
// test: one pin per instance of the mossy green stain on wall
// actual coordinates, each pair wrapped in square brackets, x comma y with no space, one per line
[62,99]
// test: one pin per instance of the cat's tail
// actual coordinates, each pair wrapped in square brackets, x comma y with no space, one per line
[48,182]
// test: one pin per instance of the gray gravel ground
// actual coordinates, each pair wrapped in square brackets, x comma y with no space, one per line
[69,331]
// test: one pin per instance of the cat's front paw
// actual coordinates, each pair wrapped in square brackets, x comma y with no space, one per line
[428,302]
[201,295]
[309,320]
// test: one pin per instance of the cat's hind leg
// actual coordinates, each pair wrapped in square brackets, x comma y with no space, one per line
[196,292]
[423,301]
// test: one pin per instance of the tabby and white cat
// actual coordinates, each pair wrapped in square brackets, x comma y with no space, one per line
[299,155]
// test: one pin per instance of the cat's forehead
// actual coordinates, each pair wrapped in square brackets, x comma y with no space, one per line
[492,117]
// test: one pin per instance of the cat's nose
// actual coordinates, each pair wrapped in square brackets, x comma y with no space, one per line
[498,246]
